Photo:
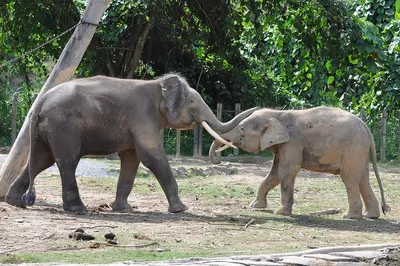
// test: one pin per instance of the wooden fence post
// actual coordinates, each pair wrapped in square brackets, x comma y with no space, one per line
[178,142]
[195,141]
[383,141]
[363,116]
[200,140]
[237,111]
[14,116]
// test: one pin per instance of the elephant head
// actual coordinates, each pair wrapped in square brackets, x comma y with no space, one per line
[259,131]
[184,108]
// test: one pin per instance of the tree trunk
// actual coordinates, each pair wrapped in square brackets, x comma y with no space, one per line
[138,50]
[63,71]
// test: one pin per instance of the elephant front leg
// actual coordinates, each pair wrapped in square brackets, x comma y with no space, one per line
[154,158]
[129,166]
[288,176]
[271,181]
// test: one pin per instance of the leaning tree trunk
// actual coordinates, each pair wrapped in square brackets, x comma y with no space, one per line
[62,72]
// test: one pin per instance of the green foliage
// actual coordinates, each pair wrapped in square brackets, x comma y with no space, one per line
[291,54]
[375,124]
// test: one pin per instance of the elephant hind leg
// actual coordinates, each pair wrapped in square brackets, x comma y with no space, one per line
[67,153]
[351,177]
[371,202]
[43,159]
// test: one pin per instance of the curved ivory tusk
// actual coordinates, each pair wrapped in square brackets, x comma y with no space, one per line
[222,148]
[215,134]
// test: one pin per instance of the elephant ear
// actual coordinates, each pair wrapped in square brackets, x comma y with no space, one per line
[173,94]
[274,133]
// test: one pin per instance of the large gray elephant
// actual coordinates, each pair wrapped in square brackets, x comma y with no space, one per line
[102,115]
[320,139]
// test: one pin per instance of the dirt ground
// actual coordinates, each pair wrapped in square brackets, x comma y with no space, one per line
[227,225]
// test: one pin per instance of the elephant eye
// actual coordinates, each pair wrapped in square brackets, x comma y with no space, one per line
[192,101]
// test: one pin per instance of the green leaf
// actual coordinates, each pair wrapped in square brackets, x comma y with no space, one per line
[353,61]
[394,44]
[328,65]
[397,15]
[330,80]
[370,31]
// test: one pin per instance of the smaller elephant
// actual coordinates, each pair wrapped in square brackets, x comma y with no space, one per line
[321,139]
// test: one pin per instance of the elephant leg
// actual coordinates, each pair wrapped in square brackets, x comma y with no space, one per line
[371,202]
[287,179]
[67,154]
[43,159]
[152,155]
[289,164]
[129,166]
[271,181]
[70,194]
[351,177]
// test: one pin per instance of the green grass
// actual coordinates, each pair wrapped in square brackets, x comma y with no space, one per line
[100,256]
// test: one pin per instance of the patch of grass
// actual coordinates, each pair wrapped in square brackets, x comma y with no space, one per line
[392,163]
[12,259]
[100,256]
[142,185]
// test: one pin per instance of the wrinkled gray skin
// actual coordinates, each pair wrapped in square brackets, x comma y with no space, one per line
[319,139]
[102,115]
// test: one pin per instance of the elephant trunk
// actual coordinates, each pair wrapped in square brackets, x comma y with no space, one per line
[220,127]
[211,154]
[215,147]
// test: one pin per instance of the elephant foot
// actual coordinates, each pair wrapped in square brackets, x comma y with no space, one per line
[15,201]
[283,211]
[122,207]
[259,204]
[76,206]
[15,194]
[371,215]
[177,207]
[352,215]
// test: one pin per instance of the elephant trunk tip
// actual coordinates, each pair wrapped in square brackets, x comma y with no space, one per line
[29,197]
[215,161]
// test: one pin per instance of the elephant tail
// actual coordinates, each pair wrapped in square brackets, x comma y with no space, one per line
[385,207]
[30,195]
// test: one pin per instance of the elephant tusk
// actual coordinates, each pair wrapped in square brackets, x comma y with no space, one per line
[215,134]
[222,148]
